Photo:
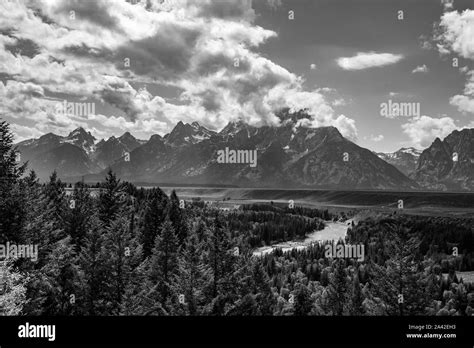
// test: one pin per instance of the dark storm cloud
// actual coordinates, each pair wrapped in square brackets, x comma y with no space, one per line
[94,11]
[248,86]
[120,100]
[27,89]
[44,18]
[88,52]
[211,63]
[53,59]
[23,47]
[164,54]
[210,100]
[226,9]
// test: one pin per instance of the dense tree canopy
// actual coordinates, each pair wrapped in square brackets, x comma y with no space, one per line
[115,249]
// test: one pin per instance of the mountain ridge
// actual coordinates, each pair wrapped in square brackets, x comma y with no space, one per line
[290,155]
[448,164]
[405,159]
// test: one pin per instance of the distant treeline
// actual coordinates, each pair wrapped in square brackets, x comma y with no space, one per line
[446,240]
[296,210]
[270,227]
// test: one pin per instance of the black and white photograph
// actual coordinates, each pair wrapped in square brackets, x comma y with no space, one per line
[237,158]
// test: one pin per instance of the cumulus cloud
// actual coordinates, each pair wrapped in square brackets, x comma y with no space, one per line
[420,69]
[24,132]
[366,60]
[425,42]
[423,130]
[24,103]
[465,102]
[455,34]
[447,4]
[94,11]
[375,138]
[206,50]
[316,105]
[228,9]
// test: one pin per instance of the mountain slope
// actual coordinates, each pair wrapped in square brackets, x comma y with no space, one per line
[185,134]
[288,156]
[405,159]
[74,155]
[437,167]
[112,149]
[67,159]
[82,139]
[69,155]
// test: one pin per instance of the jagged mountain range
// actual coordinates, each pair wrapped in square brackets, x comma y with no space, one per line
[405,159]
[448,164]
[289,156]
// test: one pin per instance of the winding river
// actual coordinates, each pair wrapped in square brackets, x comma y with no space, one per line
[332,231]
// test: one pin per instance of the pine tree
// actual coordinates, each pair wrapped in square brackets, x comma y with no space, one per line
[12,202]
[43,232]
[177,218]
[261,287]
[220,259]
[56,195]
[95,277]
[110,198]
[10,170]
[201,231]
[192,275]
[137,299]
[78,215]
[42,228]
[303,302]
[164,261]
[58,283]
[338,285]
[155,213]
[357,299]
[34,206]
[119,249]
[12,290]
[33,189]
[400,282]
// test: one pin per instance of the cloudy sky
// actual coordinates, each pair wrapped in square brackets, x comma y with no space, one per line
[148,64]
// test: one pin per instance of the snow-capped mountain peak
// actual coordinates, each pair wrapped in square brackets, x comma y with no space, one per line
[411,150]
[185,133]
[405,159]
[79,137]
